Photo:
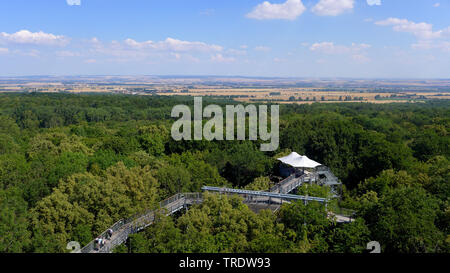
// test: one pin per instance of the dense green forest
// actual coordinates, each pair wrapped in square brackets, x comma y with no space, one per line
[72,165]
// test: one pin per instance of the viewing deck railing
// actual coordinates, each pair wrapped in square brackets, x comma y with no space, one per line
[283,196]
[292,182]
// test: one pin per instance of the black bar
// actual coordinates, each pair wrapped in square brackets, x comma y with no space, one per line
[220,262]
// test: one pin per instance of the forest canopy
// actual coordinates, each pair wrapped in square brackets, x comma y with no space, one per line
[72,165]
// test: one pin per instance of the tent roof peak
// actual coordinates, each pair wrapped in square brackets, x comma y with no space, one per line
[299,161]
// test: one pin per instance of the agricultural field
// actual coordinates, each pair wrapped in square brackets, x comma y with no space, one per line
[283,91]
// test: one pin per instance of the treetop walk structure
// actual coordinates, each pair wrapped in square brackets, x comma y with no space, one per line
[118,233]
[124,227]
[300,169]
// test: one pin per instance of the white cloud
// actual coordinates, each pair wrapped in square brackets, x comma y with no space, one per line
[331,48]
[356,51]
[374,2]
[73,2]
[169,49]
[427,37]
[437,5]
[325,47]
[422,31]
[333,7]
[171,44]
[237,52]
[426,45]
[185,57]
[288,10]
[219,58]
[3,50]
[37,38]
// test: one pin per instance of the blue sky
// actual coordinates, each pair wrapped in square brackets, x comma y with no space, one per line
[289,38]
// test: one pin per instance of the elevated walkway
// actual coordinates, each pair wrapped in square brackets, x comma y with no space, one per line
[292,182]
[123,228]
[267,196]
[278,195]
[330,178]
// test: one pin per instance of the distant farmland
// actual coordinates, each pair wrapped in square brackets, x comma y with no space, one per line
[279,90]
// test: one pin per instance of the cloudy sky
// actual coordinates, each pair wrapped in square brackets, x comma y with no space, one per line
[289,38]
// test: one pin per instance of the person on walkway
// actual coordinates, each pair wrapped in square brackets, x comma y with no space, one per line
[109,233]
[96,243]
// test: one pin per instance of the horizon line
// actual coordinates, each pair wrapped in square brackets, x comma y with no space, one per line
[222,76]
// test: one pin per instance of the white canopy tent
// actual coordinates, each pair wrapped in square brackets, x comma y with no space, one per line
[299,161]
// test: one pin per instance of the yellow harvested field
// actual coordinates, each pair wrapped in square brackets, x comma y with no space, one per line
[245,89]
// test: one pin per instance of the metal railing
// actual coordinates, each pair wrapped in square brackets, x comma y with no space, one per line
[335,208]
[278,186]
[283,196]
[291,183]
[124,227]
[330,177]
[90,247]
